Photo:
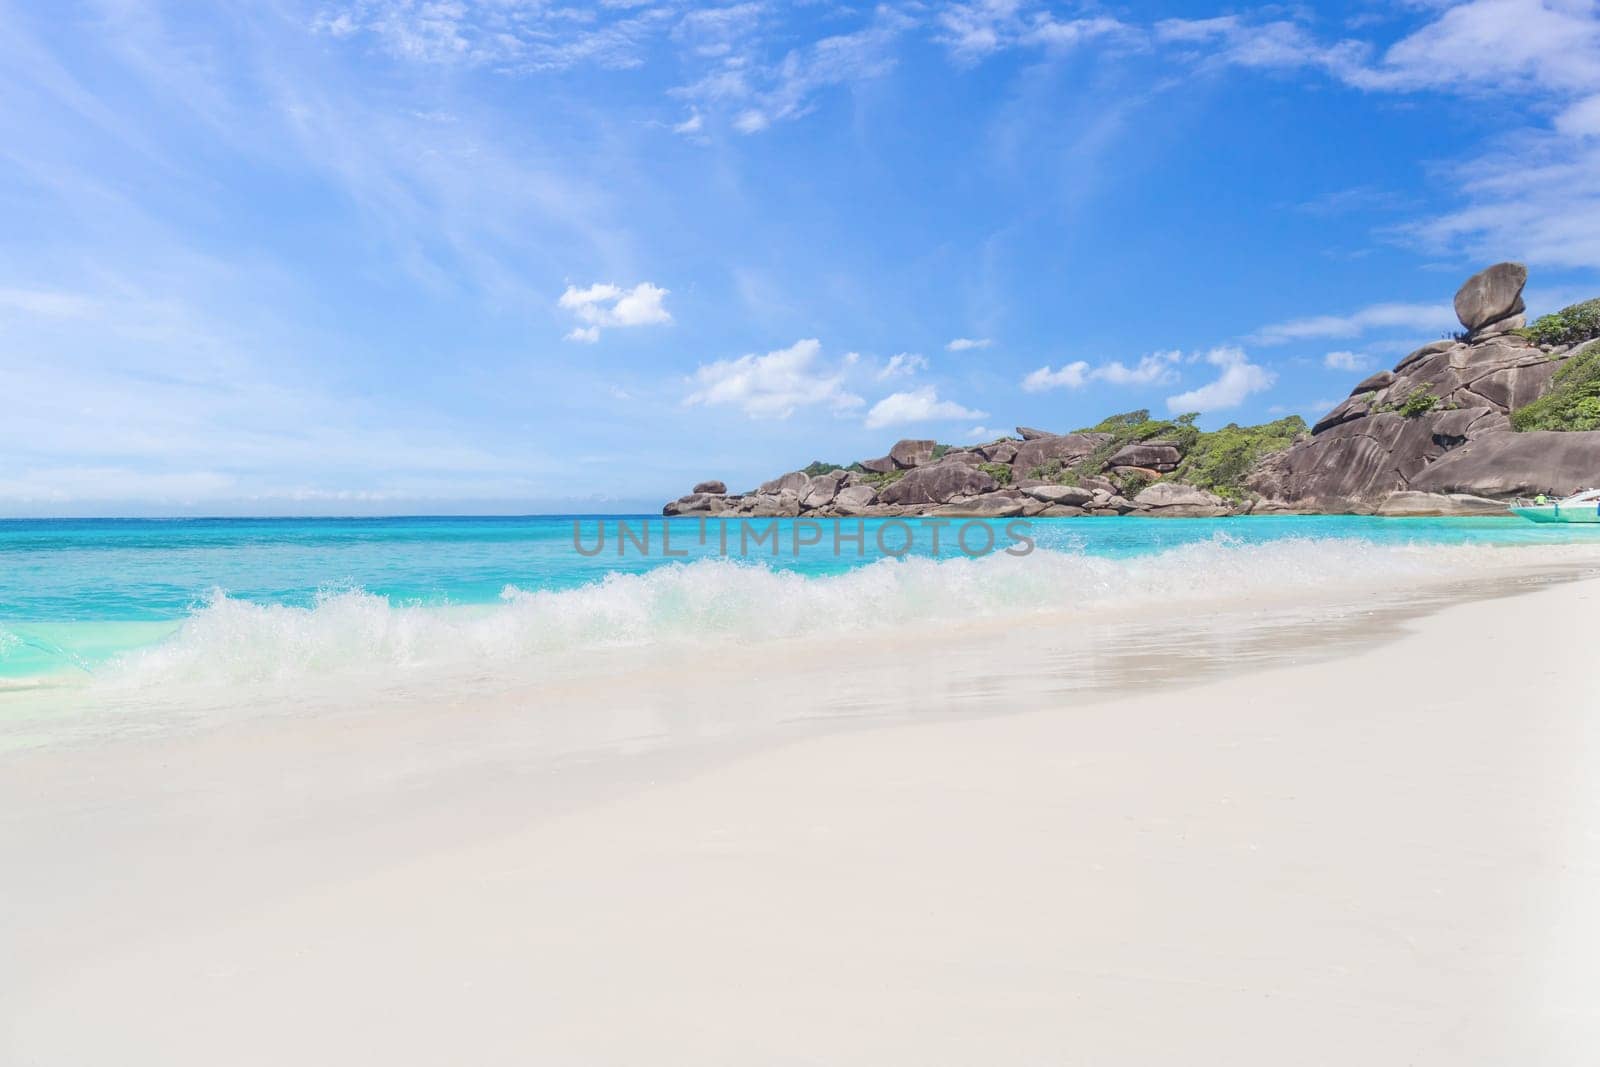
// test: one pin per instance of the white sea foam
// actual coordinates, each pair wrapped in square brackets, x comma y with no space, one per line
[230,641]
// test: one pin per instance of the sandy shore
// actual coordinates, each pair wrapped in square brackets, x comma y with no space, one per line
[1387,856]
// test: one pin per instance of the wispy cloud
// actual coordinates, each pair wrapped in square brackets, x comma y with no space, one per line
[1352,362]
[1419,318]
[1072,375]
[974,29]
[902,365]
[774,385]
[918,405]
[967,344]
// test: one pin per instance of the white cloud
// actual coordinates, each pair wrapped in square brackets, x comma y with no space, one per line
[973,29]
[1070,376]
[1536,44]
[1353,362]
[773,385]
[1279,44]
[964,344]
[1157,368]
[1415,317]
[611,305]
[761,92]
[693,124]
[918,405]
[1239,379]
[982,433]
[1535,193]
[903,365]
[506,36]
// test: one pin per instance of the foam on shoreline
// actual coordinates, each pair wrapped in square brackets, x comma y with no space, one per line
[350,635]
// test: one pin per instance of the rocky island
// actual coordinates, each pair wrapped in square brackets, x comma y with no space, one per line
[1457,427]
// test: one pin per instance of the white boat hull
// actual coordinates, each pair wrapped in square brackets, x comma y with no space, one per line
[1588,511]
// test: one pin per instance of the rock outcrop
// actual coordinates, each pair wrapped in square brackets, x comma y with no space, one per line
[1491,297]
[1432,436]
[1439,424]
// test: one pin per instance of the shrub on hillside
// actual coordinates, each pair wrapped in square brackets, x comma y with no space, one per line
[1220,460]
[1570,325]
[1573,402]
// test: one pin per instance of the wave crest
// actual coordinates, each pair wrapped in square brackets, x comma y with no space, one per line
[230,641]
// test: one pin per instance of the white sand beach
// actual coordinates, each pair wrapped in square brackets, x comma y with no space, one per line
[1384,851]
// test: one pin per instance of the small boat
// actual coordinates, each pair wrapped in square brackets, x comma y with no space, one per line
[1582,506]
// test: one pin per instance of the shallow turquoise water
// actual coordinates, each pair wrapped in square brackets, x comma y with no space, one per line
[76,593]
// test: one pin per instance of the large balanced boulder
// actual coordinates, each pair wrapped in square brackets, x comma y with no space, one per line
[713,486]
[1491,295]
[938,483]
[907,454]
[1438,423]
[1028,433]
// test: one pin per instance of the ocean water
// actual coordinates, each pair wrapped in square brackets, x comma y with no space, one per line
[138,603]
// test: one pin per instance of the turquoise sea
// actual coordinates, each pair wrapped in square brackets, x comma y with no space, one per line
[262,598]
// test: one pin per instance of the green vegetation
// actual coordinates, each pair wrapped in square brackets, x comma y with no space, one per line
[817,466]
[998,471]
[1130,427]
[1052,471]
[1131,484]
[940,450]
[1573,402]
[880,481]
[1418,403]
[1570,325]
[1220,460]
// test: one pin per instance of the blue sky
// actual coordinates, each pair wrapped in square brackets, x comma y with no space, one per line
[356,256]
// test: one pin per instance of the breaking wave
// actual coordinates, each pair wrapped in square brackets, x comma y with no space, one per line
[715,602]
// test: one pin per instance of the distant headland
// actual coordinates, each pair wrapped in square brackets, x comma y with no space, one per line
[1458,427]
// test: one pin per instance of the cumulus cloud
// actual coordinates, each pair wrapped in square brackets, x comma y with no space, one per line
[774,385]
[917,405]
[1346,361]
[1069,376]
[903,365]
[1239,379]
[1417,317]
[964,344]
[611,305]
[1157,368]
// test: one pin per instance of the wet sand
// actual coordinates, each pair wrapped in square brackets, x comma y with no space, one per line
[1371,838]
